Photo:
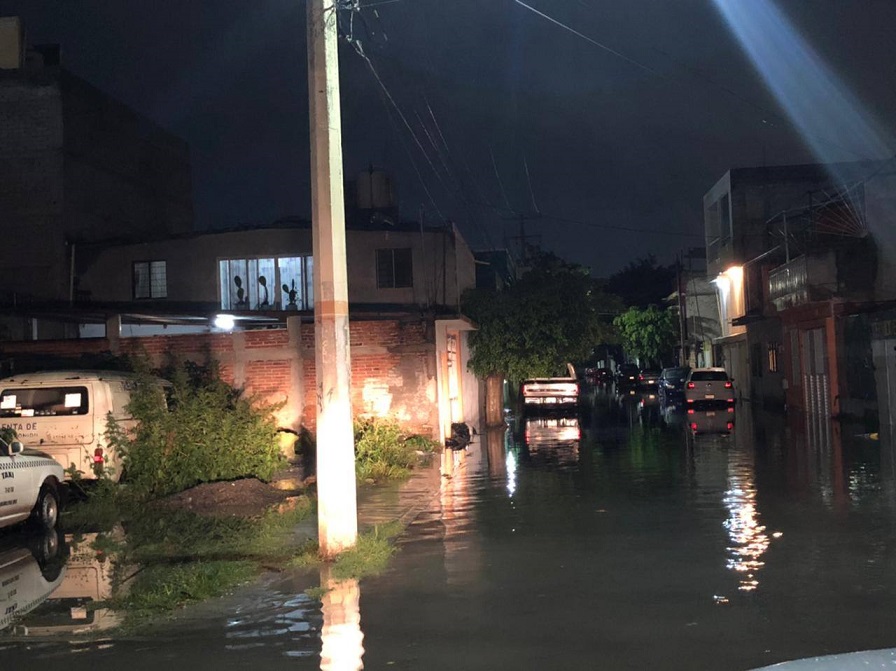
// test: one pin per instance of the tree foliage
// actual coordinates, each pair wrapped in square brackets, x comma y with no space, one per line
[643,282]
[647,334]
[554,314]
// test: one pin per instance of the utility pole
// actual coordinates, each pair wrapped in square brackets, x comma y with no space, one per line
[682,316]
[523,237]
[337,504]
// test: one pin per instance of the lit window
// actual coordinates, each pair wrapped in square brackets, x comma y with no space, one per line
[773,349]
[150,279]
[282,283]
[394,269]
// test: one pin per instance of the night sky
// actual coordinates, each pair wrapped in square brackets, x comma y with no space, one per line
[622,127]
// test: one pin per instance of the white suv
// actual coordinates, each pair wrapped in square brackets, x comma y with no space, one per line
[708,385]
[29,486]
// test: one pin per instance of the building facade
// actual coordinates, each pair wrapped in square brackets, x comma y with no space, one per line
[76,166]
[801,256]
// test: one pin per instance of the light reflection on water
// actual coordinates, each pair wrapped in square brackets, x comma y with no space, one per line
[647,530]
[289,621]
[748,540]
[511,472]
[342,641]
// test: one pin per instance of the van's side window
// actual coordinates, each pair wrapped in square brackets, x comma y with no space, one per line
[44,401]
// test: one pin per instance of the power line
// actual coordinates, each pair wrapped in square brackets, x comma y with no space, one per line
[586,38]
[529,180]
[694,71]
[360,50]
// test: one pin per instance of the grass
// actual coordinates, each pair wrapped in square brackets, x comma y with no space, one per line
[384,452]
[183,558]
[160,589]
[169,559]
[369,557]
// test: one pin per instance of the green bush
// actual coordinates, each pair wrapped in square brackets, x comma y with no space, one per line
[208,432]
[383,451]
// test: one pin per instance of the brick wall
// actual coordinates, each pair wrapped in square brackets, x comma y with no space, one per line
[393,366]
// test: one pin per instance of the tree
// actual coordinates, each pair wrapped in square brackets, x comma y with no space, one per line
[554,314]
[643,282]
[647,334]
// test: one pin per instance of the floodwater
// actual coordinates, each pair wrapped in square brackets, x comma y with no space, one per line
[623,538]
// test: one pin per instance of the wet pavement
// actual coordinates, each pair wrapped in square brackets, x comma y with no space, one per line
[633,536]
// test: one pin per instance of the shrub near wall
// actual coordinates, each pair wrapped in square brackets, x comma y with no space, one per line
[211,433]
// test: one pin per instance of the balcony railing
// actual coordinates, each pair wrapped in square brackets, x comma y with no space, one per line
[804,279]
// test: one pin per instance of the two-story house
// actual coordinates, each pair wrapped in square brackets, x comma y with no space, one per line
[797,253]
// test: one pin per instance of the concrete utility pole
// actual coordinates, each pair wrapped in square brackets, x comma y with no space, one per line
[682,316]
[337,505]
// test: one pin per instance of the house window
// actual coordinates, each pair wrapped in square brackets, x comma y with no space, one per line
[150,279]
[280,283]
[394,269]
[773,349]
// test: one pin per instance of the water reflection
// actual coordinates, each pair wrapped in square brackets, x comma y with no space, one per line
[747,537]
[342,641]
[32,566]
[649,409]
[836,461]
[552,440]
[710,420]
[511,472]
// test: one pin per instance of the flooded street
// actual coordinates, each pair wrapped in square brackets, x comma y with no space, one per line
[621,539]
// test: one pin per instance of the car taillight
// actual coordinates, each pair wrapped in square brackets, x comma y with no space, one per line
[727,385]
[691,385]
[693,426]
[730,425]
[99,461]
[731,408]
[691,411]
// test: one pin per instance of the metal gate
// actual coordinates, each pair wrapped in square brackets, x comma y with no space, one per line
[816,389]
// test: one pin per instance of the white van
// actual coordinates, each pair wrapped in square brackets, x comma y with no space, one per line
[65,414]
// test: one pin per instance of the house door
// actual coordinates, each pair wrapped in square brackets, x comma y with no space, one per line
[816,390]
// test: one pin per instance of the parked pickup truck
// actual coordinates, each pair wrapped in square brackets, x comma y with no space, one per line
[551,393]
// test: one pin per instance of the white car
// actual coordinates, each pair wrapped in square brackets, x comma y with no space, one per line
[29,486]
[708,385]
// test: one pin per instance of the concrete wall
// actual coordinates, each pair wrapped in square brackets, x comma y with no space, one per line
[443,265]
[880,209]
[756,196]
[393,366]
[765,386]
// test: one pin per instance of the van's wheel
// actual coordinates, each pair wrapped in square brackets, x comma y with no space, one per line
[46,512]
